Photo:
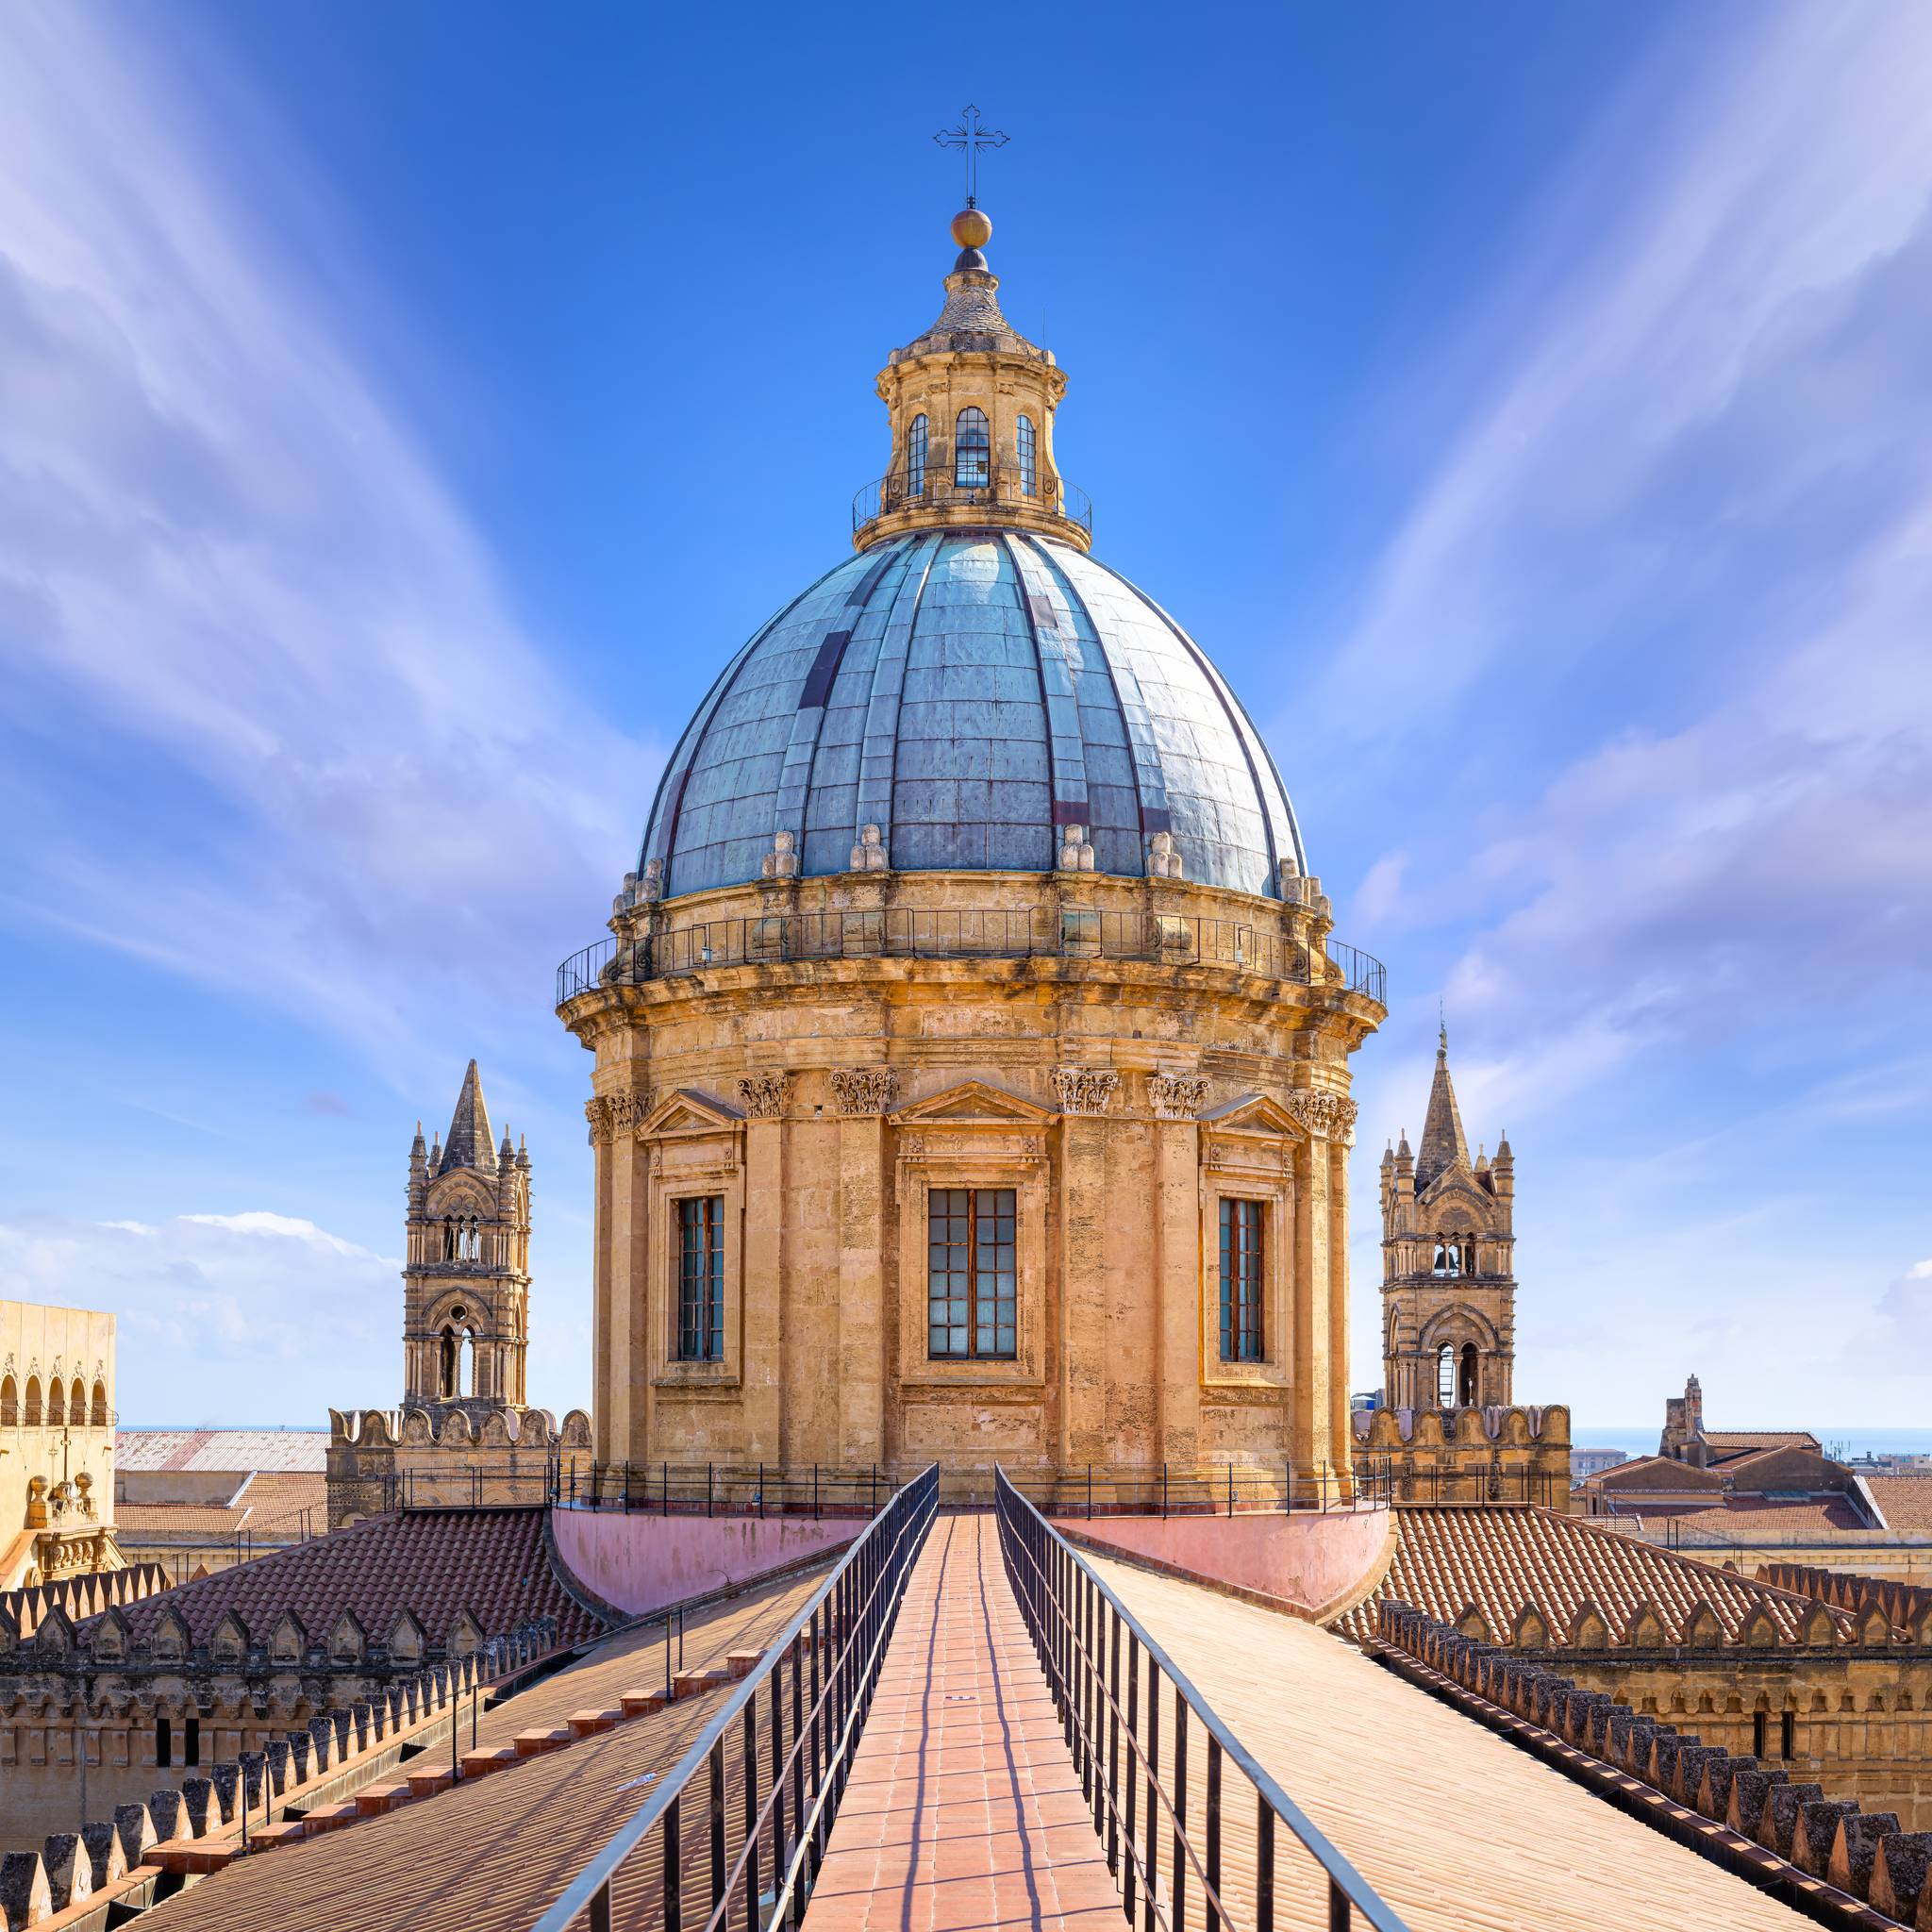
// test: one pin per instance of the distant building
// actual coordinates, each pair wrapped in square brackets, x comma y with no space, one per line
[1588,1462]
[1446,1422]
[56,1443]
[195,1501]
[464,1433]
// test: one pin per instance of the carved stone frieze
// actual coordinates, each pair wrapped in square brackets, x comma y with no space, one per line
[865,1090]
[1085,1089]
[1176,1096]
[764,1094]
[1327,1116]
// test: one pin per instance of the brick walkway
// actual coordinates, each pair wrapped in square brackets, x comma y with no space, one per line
[963,1809]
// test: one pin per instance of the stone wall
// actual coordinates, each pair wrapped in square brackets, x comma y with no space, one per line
[380,1459]
[1118,1098]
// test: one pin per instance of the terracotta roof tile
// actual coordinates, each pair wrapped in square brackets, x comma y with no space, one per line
[435,1563]
[1500,1559]
[493,1853]
[1906,1501]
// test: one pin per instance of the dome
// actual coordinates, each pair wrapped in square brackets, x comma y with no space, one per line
[971,692]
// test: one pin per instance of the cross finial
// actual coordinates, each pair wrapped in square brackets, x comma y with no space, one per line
[972,136]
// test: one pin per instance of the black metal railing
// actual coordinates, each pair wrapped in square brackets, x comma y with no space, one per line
[1127,1714]
[1041,492]
[902,932]
[723,1488]
[1482,1483]
[1165,1488]
[577,1481]
[748,1862]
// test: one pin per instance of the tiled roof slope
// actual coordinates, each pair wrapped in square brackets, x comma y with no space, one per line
[305,1450]
[1456,1828]
[434,1563]
[273,1503]
[1905,1502]
[1741,1441]
[1500,1559]
[493,1855]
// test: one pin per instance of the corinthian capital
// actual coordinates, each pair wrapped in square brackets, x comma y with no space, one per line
[1085,1089]
[764,1094]
[1176,1096]
[1327,1116]
[865,1090]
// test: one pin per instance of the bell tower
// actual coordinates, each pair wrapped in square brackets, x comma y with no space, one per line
[1448,1264]
[466,1282]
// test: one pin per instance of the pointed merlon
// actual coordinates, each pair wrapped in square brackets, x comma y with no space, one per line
[469,1143]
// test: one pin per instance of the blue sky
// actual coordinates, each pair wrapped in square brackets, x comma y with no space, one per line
[403,411]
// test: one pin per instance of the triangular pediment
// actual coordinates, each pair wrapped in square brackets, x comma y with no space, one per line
[972,1103]
[684,1110]
[1254,1113]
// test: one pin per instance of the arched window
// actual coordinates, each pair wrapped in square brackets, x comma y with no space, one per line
[97,1416]
[76,1403]
[1466,1391]
[10,1404]
[57,1404]
[449,1240]
[1028,471]
[468,1381]
[915,457]
[972,449]
[34,1418]
[1445,1377]
[447,1365]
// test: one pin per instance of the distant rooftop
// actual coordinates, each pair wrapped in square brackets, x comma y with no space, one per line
[286,1451]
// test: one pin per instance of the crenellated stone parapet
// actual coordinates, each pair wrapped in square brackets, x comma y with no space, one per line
[378,1459]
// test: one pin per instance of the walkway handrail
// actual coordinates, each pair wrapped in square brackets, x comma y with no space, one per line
[855,1609]
[1066,1607]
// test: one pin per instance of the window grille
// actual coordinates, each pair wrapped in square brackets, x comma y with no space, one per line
[701,1278]
[971,1276]
[915,458]
[971,450]
[1241,1281]
[1027,470]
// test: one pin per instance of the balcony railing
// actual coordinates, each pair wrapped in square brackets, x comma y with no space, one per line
[1045,493]
[902,932]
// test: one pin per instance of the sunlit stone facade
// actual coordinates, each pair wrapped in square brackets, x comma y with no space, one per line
[972,1053]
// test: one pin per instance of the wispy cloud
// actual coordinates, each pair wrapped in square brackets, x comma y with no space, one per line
[1662,607]
[272,722]
[268,1315]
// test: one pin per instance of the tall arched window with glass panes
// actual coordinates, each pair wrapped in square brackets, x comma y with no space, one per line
[915,457]
[972,449]
[1028,471]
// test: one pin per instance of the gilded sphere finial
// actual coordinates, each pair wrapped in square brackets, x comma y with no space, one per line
[971,229]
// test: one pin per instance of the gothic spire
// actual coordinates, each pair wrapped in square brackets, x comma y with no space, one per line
[469,1143]
[1443,1141]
